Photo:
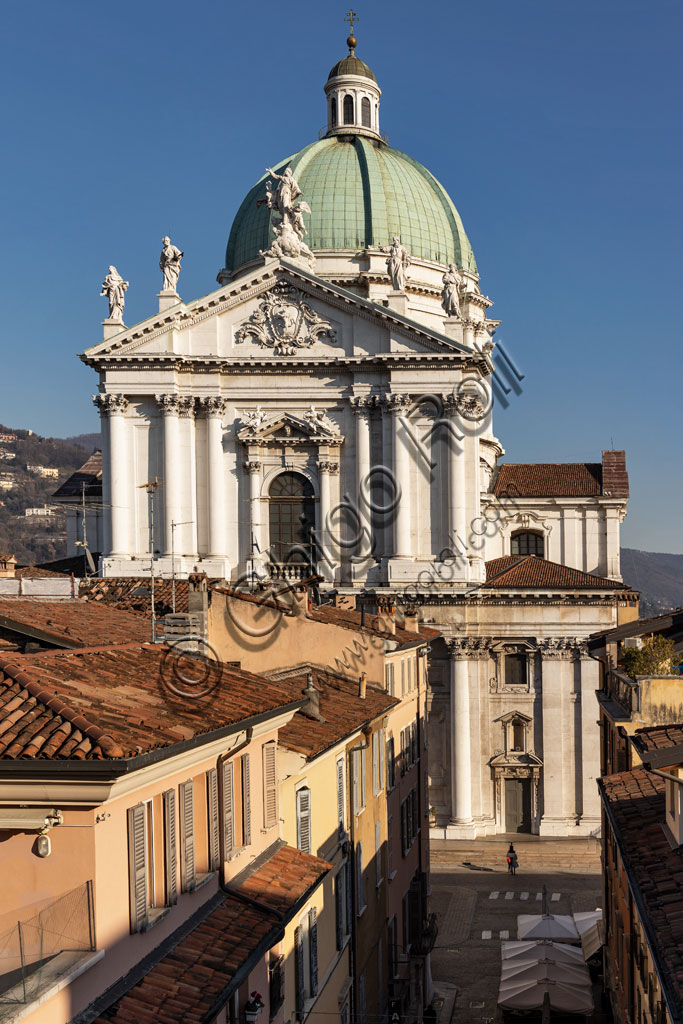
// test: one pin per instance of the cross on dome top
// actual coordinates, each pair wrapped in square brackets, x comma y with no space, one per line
[351,42]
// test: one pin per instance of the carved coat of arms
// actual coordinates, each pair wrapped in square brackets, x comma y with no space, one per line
[285,322]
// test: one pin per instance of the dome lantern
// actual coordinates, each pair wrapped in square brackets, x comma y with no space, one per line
[352,95]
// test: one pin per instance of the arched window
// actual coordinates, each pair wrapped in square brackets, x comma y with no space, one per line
[527,542]
[365,112]
[348,110]
[333,112]
[291,514]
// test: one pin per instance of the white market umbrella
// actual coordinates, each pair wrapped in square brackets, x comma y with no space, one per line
[531,951]
[559,927]
[546,970]
[590,928]
[516,994]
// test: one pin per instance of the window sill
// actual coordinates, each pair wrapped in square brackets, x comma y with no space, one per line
[362,910]
[154,915]
[203,880]
[392,875]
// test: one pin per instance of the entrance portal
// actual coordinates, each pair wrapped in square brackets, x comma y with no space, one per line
[518,805]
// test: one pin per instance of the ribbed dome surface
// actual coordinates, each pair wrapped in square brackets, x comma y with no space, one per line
[362,193]
[351,65]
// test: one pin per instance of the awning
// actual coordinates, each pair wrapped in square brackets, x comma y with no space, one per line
[591,929]
[535,950]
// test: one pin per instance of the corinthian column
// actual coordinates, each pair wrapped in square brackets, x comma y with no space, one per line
[361,405]
[461,781]
[398,406]
[186,536]
[214,407]
[170,407]
[457,496]
[116,470]
[253,467]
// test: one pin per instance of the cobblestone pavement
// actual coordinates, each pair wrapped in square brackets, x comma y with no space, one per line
[476,910]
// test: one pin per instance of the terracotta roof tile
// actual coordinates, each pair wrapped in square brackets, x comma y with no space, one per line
[116,702]
[70,621]
[134,594]
[341,707]
[196,975]
[549,480]
[532,571]
[354,620]
[282,879]
[660,737]
[34,572]
[636,808]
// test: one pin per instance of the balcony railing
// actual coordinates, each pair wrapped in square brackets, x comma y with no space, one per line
[624,690]
[290,571]
[352,129]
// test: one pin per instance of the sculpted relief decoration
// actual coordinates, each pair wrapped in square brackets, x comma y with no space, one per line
[285,322]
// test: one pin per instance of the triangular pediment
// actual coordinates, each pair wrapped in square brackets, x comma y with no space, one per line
[286,428]
[277,313]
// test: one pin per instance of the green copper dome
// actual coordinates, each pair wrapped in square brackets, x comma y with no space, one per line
[362,193]
[351,65]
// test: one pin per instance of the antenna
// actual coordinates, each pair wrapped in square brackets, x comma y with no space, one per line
[87,557]
[151,488]
[173,527]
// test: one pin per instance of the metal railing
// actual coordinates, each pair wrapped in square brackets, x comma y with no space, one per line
[351,129]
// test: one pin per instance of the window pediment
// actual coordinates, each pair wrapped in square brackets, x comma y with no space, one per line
[311,427]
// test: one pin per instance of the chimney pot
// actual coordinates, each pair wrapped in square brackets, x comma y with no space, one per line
[362,685]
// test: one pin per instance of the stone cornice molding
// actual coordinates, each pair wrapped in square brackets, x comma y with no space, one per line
[558,648]
[213,405]
[110,404]
[475,647]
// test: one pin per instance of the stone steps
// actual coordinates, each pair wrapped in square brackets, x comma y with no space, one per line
[490,851]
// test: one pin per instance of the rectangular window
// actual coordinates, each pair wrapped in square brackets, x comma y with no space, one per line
[299,972]
[246,800]
[276,984]
[393,947]
[138,867]
[391,764]
[213,819]
[170,848]
[303,819]
[269,785]
[403,677]
[378,855]
[390,848]
[313,951]
[375,763]
[339,907]
[361,999]
[187,865]
[380,974]
[406,923]
[228,785]
[515,669]
[381,759]
[341,816]
[389,678]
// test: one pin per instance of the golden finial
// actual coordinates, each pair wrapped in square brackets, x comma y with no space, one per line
[351,16]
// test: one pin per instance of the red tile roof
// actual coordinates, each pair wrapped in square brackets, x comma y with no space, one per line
[69,622]
[532,571]
[341,707]
[34,572]
[117,702]
[134,594]
[193,981]
[282,879]
[354,620]
[635,807]
[549,480]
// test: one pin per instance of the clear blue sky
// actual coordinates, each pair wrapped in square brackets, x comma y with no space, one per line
[554,126]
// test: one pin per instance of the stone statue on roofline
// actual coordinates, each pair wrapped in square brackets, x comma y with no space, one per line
[287,210]
[397,263]
[114,287]
[169,265]
[450,293]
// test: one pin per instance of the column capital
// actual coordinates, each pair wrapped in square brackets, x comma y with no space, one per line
[110,404]
[558,648]
[253,466]
[475,647]
[186,405]
[468,399]
[169,404]
[362,405]
[324,466]
[213,405]
[395,403]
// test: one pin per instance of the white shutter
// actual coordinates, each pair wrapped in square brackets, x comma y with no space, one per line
[375,764]
[187,868]
[313,948]
[214,824]
[378,853]
[303,820]
[362,777]
[355,765]
[170,848]
[380,746]
[341,817]
[246,801]
[299,971]
[228,809]
[269,785]
[390,847]
[339,907]
[137,867]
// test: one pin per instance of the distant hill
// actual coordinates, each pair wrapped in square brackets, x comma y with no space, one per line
[658,577]
[33,538]
[87,441]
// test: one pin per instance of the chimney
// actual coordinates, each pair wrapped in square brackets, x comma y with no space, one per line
[299,600]
[614,475]
[386,617]
[410,619]
[362,685]
[312,706]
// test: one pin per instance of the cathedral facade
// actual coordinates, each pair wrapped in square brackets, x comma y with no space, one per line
[328,410]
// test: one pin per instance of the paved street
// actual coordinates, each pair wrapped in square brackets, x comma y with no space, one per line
[476,910]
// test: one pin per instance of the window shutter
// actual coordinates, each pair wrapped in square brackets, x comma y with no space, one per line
[416,813]
[355,765]
[299,970]
[380,973]
[137,867]
[362,777]
[339,907]
[187,870]
[341,817]
[380,745]
[246,801]
[391,763]
[414,916]
[313,948]
[214,826]
[390,847]
[404,828]
[228,809]
[171,846]
[303,820]
[269,786]
[348,888]
[375,764]
[378,853]
[359,879]
[361,997]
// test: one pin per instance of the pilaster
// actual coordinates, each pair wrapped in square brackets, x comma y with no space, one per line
[117,470]
[559,812]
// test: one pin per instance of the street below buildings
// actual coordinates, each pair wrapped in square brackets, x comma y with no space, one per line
[477,907]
